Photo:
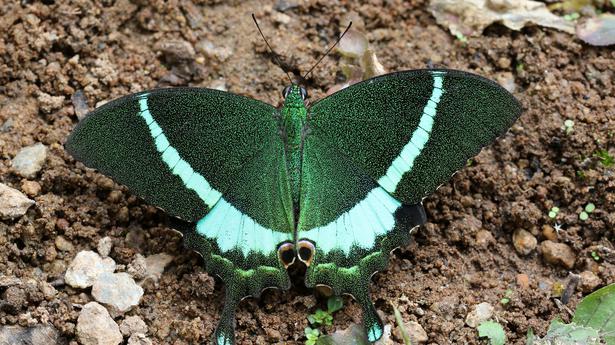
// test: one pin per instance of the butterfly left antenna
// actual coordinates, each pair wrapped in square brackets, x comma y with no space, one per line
[328,51]
[275,56]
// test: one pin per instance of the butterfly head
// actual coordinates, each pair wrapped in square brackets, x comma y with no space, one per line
[294,95]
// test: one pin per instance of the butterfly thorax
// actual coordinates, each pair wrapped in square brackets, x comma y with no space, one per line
[292,124]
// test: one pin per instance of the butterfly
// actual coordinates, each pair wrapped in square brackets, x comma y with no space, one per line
[336,185]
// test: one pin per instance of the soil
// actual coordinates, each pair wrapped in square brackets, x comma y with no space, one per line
[50,50]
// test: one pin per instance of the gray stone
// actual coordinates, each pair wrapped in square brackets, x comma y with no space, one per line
[138,267]
[13,203]
[86,267]
[139,339]
[96,327]
[416,332]
[29,160]
[156,263]
[104,246]
[132,325]
[36,335]
[481,312]
[118,291]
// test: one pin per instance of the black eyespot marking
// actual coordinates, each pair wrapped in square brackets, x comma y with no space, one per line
[286,91]
[286,253]
[306,251]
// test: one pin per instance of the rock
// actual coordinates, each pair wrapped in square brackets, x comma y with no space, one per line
[31,188]
[86,267]
[139,339]
[523,280]
[118,291]
[29,160]
[49,292]
[507,80]
[524,241]
[15,298]
[481,312]
[415,331]
[589,281]
[156,263]
[138,267]
[13,203]
[132,325]
[104,246]
[96,327]
[484,238]
[63,244]
[36,335]
[558,254]
[549,232]
[80,103]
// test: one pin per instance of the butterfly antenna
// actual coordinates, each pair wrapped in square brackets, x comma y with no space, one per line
[275,56]
[328,51]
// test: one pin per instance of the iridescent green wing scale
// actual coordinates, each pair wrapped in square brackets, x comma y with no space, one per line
[372,152]
[214,160]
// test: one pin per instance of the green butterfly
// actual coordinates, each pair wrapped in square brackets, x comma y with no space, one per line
[336,185]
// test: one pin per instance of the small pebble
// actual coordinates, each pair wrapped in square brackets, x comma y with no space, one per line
[416,332]
[139,339]
[29,160]
[481,312]
[523,281]
[49,103]
[484,238]
[118,291]
[589,281]
[86,267]
[138,267]
[549,232]
[156,264]
[31,188]
[507,80]
[104,246]
[63,244]
[96,327]
[80,103]
[132,325]
[524,241]
[13,203]
[558,254]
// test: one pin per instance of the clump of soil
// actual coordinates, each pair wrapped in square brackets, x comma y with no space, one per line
[463,256]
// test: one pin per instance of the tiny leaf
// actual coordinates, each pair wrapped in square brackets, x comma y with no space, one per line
[494,331]
[334,303]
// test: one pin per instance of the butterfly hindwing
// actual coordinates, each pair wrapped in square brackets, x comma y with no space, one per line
[213,159]
[372,152]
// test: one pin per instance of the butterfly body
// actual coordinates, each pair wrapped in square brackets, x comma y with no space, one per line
[336,185]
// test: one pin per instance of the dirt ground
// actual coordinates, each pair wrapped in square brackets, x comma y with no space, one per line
[464,255]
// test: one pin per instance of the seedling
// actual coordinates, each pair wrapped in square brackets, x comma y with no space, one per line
[553,212]
[461,37]
[311,335]
[589,208]
[507,296]
[568,127]
[595,256]
[572,16]
[605,158]
[492,330]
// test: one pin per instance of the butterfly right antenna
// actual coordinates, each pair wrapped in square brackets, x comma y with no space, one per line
[328,51]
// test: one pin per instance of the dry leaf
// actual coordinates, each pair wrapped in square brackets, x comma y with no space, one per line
[470,17]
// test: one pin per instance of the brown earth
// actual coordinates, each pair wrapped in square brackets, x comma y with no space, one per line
[464,255]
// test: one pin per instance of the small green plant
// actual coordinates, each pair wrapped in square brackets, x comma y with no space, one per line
[553,212]
[520,67]
[572,16]
[461,37]
[507,296]
[322,318]
[605,158]
[589,208]
[593,322]
[568,127]
[595,255]
[312,335]
[493,331]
